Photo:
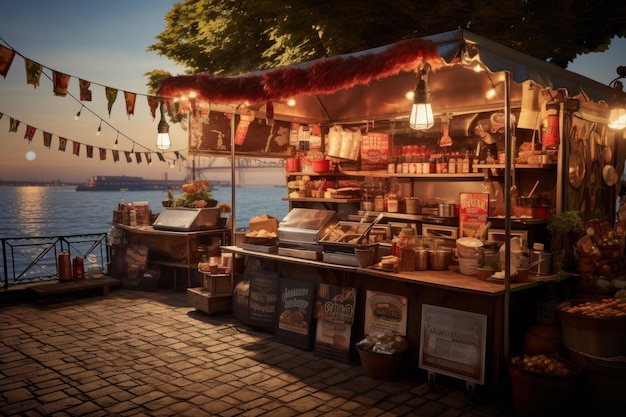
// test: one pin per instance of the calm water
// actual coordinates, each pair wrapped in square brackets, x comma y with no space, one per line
[52,211]
[59,211]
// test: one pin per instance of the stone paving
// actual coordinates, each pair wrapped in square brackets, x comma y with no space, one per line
[137,353]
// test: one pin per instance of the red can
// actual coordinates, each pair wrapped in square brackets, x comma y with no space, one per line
[292,165]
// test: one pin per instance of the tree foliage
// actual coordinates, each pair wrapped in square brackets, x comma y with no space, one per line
[229,37]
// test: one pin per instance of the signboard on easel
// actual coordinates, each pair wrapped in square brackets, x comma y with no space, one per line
[453,343]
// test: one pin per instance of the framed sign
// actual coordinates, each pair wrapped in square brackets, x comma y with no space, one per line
[385,312]
[263,292]
[453,343]
[295,312]
[334,311]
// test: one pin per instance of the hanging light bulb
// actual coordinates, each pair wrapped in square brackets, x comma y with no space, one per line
[422,112]
[116,138]
[99,128]
[78,114]
[163,138]
[617,116]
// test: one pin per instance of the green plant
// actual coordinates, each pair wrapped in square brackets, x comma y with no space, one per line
[565,228]
[566,222]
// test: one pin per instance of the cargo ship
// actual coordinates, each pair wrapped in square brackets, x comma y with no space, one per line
[125,183]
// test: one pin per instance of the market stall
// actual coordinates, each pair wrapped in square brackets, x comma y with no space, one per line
[516,140]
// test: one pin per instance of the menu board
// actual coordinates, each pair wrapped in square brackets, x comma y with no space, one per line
[295,313]
[473,214]
[385,312]
[453,343]
[334,311]
[263,298]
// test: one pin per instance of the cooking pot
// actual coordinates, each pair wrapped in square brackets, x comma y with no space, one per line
[421,259]
[445,210]
[467,247]
[440,259]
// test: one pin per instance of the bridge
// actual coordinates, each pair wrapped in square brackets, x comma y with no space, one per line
[248,172]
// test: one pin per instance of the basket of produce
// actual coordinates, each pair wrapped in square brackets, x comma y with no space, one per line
[381,354]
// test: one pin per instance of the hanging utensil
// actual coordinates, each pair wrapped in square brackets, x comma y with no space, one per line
[366,234]
[577,169]
[530,194]
[445,140]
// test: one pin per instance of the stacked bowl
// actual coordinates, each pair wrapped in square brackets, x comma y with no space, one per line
[467,249]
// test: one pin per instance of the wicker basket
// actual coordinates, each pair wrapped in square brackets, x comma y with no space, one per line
[380,365]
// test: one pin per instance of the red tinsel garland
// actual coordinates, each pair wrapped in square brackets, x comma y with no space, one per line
[323,76]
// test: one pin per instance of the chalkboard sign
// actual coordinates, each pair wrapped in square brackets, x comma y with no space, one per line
[263,298]
[334,311]
[295,313]
[210,135]
[453,343]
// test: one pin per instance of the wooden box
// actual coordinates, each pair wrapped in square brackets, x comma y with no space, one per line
[217,284]
[202,299]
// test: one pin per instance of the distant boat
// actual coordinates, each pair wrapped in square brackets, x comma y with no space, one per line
[124,183]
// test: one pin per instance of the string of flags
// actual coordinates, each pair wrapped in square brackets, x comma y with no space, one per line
[76,146]
[61,81]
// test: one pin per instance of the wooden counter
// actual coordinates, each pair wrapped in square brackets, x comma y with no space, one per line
[448,289]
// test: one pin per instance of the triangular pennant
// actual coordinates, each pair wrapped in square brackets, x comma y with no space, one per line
[61,82]
[1,114]
[130,103]
[148,158]
[128,157]
[6,59]
[111,94]
[76,148]
[138,157]
[13,125]
[89,151]
[30,132]
[33,72]
[62,144]
[85,92]
[47,139]
[116,155]
[153,103]
[103,154]
[161,157]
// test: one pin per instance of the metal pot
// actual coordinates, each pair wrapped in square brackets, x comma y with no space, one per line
[440,259]
[421,259]
[445,210]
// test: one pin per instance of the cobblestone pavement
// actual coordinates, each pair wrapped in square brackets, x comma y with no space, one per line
[137,353]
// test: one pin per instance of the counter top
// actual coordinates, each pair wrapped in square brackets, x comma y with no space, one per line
[151,230]
[450,279]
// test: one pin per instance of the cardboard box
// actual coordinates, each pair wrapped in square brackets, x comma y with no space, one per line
[375,151]
[201,299]
[264,222]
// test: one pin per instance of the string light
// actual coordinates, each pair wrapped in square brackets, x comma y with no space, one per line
[116,138]
[163,137]
[99,128]
[422,111]
[78,114]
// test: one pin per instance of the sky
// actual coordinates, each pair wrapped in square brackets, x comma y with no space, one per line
[105,42]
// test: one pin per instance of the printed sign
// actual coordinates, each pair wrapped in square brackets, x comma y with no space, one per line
[385,312]
[334,309]
[295,312]
[453,343]
[473,214]
[263,298]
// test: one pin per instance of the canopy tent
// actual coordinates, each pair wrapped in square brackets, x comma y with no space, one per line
[372,85]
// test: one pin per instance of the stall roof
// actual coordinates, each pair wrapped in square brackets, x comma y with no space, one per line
[371,85]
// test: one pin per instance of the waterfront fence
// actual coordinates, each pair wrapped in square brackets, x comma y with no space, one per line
[27,260]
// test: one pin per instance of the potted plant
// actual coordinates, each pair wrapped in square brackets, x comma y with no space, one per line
[565,227]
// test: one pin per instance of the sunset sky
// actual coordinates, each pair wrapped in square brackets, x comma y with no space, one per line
[105,43]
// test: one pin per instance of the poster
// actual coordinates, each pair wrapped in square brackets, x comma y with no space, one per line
[453,343]
[210,135]
[473,214]
[295,312]
[334,311]
[263,298]
[385,312]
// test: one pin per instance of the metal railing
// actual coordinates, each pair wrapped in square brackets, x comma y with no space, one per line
[30,259]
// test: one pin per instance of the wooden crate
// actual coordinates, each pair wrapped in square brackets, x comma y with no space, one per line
[217,284]
[202,299]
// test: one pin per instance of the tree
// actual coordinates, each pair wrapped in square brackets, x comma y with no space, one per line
[230,37]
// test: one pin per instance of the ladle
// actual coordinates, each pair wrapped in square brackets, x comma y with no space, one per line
[530,194]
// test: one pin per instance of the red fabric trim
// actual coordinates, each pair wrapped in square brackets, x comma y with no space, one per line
[324,76]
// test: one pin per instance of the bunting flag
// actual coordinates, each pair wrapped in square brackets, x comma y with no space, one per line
[13,125]
[116,155]
[148,158]
[130,103]
[6,59]
[103,154]
[61,82]
[85,92]
[153,103]
[128,158]
[76,148]
[33,72]
[1,114]
[47,139]
[62,144]
[111,94]
[30,132]
[138,157]
[161,157]
[89,151]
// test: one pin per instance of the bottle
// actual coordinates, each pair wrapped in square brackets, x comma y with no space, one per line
[466,163]
[392,202]
[379,203]
[525,258]
[452,164]
[391,165]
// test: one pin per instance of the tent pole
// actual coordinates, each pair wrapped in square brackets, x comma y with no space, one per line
[508,152]
[232,181]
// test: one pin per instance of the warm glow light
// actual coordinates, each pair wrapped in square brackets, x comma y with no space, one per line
[410,95]
[163,138]
[30,156]
[617,118]
[421,116]
[491,93]
[291,102]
